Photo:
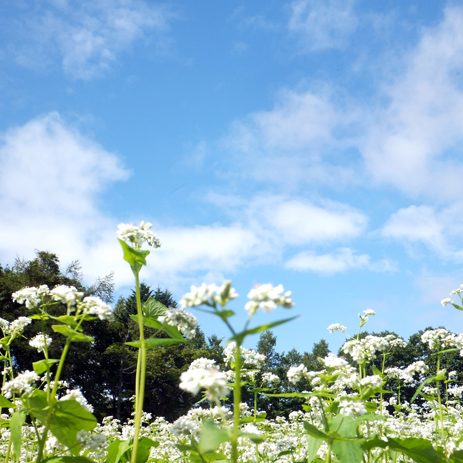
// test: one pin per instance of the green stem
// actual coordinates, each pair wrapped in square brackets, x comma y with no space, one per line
[52,400]
[236,404]
[141,373]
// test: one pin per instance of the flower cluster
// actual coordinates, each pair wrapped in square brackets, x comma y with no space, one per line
[268,298]
[211,379]
[185,321]
[76,394]
[30,296]
[136,236]
[21,384]
[95,306]
[295,374]
[209,295]
[40,341]
[336,327]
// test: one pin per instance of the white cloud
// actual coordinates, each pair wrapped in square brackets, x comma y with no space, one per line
[298,221]
[87,35]
[416,223]
[51,178]
[322,24]
[344,259]
[414,143]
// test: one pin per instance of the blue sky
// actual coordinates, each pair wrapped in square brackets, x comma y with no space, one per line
[316,144]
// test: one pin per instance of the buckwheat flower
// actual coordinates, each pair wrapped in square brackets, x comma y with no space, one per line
[40,341]
[229,351]
[91,441]
[268,298]
[95,306]
[295,374]
[66,294]
[213,381]
[332,361]
[446,301]
[209,295]
[184,427]
[4,324]
[436,339]
[254,358]
[369,312]
[30,296]
[372,382]
[185,321]
[336,327]
[21,384]
[17,326]
[203,364]
[270,378]
[76,394]
[136,236]
[349,408]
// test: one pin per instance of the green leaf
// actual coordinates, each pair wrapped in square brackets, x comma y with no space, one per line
[453,349]
[70,333]
[66,319]
[313,444]
[348,451]
[5,403]
[172,331]
[39,316]
[41,366]
[77,459]
[212,437]
[157,342]
[117,449]
[67,419]
[456,457]
[311,430]
[419,450]
[143,451]
[135,257]
[457,306]
[240,336]
[16,423]
[421,386]
[153,308]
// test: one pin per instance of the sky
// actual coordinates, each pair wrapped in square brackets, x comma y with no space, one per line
[313,144]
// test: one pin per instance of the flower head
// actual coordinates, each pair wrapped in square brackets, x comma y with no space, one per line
[21,384]
[136,236]
[95,306]
[268,298]
[30,296]
[66,294]
[209,295]
[213,381]
[40,341]
[336,327]
[185,321]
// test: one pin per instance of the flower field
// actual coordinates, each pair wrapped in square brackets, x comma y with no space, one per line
[352,411]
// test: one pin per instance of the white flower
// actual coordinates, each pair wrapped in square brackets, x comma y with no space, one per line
[336,327]
[349,408]
[295,374]
[369,312]
[446,301]
[39,342]
[213,381]
[372,382]
[66,294]
[20,384]
[91,441]
[17,326]
[31,296]
[134,235]
[76,394]
[268,378]
[209,295]
[185,321]
[184,427]
[334,362]
[268,298]
[254,358]
[203,364]
[95,306]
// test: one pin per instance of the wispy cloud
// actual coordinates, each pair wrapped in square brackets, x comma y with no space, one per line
[322,24]
[87,36]
[412,141]
[340,261]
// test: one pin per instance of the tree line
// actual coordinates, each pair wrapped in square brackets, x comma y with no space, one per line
[104,370]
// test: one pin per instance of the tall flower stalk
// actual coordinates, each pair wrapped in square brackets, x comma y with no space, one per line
[132,238]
